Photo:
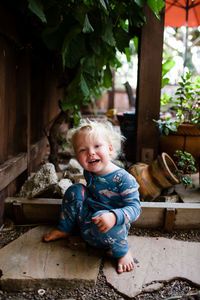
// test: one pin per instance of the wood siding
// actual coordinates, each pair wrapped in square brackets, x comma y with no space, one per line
[29,94]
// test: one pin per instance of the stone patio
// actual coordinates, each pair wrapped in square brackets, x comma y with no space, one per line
[29,263]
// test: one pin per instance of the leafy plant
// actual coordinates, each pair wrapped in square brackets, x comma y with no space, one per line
[186,165]
[165,99]
[167,65]
[86,35]
[166,125]
[187,103]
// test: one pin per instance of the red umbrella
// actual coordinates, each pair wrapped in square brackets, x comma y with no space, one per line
[182,13]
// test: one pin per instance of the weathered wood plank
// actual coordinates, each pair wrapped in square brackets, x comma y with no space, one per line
[150,217]
[169,219]
[149,84]
[42,210]
[13,167]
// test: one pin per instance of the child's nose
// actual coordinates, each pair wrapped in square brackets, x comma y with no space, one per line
[91,152]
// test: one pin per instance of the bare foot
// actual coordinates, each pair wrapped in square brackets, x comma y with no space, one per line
[55,234]
[125,263]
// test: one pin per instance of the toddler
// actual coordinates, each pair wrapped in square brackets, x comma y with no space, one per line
[104,209]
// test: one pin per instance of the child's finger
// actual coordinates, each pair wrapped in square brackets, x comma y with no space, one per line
[97,217]
[96,220]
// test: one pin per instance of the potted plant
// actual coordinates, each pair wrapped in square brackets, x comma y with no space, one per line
[185,163]
[183,131]
[163,173]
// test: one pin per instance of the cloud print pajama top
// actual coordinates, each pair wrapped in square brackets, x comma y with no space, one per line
[115,192]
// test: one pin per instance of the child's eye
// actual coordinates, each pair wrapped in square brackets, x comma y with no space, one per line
[97,146]
[82,150]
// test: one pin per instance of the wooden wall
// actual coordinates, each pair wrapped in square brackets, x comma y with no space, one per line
[29,94]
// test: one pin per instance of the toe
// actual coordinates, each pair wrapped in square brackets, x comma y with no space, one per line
[120,269]
[128,268]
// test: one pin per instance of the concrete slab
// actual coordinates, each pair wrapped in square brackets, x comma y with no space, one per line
[28,263]
[189,195]
[156,260]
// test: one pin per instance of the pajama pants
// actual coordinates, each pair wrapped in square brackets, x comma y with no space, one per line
[76,213]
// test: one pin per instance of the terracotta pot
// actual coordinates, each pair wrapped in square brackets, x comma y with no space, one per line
[187,138]
[187,129]
[155,177]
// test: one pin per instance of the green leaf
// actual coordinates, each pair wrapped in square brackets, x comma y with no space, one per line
[140,3]
[135,40]
[128,56]
[96,46]
[103,4]
[108,36]
[37,8]
[122,38]
[84,87]
[76,117]
[87,27]
[156,6]
[73,50]
[89,65]
[164,82]
[167,66]
[107,79]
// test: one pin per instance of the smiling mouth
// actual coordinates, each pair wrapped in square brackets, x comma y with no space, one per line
[94,161]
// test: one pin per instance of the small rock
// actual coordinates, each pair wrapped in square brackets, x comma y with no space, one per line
[36,184]
[153,287]
[74,166]
[63,185]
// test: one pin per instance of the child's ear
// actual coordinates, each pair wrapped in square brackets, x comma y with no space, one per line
[111,148]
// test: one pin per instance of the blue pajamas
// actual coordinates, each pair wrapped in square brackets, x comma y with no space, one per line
[116,192]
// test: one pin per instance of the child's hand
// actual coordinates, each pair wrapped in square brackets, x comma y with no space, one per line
[105,221]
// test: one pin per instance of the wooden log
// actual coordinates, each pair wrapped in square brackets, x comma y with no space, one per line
[154,214]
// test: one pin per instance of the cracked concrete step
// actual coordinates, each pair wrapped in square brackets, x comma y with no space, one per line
[29,263]
[156,260]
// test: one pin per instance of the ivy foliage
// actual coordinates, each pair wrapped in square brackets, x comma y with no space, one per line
[87,34]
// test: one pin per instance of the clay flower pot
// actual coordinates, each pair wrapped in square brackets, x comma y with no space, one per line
[153,178]
[187,138]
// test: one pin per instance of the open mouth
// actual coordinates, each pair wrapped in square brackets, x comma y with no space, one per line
[94,161]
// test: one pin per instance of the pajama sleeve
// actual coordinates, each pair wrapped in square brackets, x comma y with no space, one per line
[130,203]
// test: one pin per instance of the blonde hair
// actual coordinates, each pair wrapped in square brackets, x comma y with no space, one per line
[106,129]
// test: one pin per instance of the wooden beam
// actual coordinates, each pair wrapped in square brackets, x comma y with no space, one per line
[154,214]
[169,219]
[149,86]
[32,211]
[13,167]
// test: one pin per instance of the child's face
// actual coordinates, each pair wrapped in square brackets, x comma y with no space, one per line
[93,152]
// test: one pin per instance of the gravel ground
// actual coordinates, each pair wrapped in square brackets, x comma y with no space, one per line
[176,289]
